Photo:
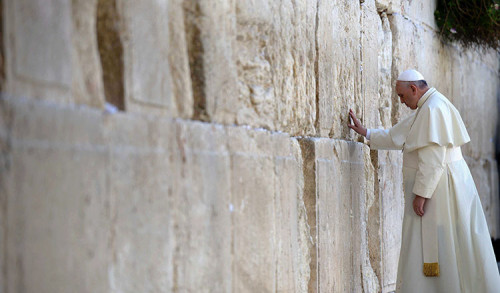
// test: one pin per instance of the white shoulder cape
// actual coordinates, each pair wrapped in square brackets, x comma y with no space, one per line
[437,121]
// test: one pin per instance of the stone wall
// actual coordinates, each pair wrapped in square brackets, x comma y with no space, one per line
[202,146]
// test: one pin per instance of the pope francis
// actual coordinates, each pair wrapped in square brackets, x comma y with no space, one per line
[445,245]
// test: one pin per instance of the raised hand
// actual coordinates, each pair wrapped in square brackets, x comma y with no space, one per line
[358,127]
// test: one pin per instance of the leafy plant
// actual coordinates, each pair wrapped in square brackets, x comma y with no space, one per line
[472,23]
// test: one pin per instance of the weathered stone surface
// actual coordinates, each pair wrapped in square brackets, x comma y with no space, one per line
[275,45]
[339,66]
[179,62]
[254,219]
[38,49]
[372,40]
[87,80]
[146,47]
[389,181]
[466,96]
[58,210]
[142,238]
[202,208]
[385,71]
[341,211]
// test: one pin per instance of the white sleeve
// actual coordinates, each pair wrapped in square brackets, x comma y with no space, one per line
[368,134]
[380,139]
[430,168]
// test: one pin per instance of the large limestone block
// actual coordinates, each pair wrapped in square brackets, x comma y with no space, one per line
[342,174]
[476,97]
[372,42]
[339,67]
[88,87]
[254,220]
[179,61]
[138,174]
[38,46]
[385,72]
[210,32]
[58,208]
[202,208]
[51,51]
[275,55]
[292,233]
[146,51]
[420,12]
[390,189]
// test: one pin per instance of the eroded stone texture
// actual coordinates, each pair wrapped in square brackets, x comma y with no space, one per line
[467,92]
[339,67]
[372,42]
[341,211]
[276,64]
[202,208]
[179,61]
[142,238]
[38,49]
[385,71]
[87,81]
[110,45]
[254,219]
[390,189]
[58,209]
[146,46]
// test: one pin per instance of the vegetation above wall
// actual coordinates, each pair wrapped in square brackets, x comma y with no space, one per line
[472,23]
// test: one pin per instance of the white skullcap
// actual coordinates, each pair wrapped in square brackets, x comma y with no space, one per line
[410,75]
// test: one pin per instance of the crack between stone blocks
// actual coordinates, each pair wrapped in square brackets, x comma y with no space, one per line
[196,54]
[316,71]
[307,147]
[110,50]
[5,163]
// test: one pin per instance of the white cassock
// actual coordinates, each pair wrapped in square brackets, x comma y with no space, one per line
[451,242]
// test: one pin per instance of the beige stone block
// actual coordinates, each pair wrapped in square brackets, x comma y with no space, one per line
[58,207]
[385,71]
[210,32]
[179,61]
[87,79]
[254,220]
[341,211]
[420,12]
[390,188]
[292,233]
[276,72]
[372,50]
[202,208]
[38,49]
[339,67]
[146,58]
[143,239]
[476,98]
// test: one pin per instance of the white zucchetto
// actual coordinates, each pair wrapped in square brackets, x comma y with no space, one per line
[410,75]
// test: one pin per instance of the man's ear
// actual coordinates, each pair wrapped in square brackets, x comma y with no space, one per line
[413,88]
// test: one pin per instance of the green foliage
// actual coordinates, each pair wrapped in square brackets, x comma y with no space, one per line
[472,23]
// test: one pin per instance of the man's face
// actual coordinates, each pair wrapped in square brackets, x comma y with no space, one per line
[407,94]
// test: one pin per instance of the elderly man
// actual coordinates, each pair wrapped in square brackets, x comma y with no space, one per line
[445,244]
